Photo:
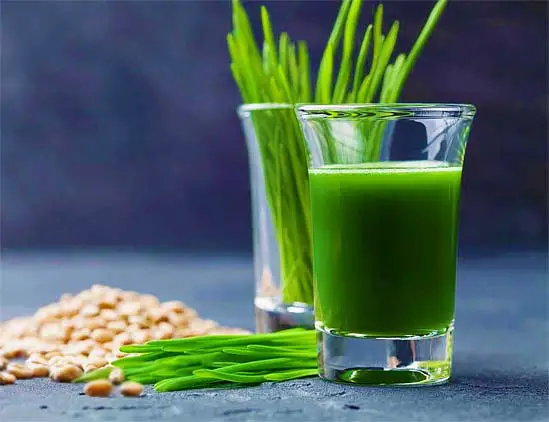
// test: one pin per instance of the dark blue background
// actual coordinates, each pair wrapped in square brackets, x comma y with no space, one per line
[118,123]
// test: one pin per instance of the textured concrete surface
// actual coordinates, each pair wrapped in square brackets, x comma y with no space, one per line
[500,364]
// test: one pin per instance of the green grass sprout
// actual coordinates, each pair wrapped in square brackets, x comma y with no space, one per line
[278,70]
[218,361]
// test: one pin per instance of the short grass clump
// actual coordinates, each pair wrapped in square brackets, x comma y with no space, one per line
[218,361]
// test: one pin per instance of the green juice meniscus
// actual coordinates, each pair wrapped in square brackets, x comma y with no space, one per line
[384,247]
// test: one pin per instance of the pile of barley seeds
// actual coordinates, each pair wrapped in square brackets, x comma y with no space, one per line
[84,332]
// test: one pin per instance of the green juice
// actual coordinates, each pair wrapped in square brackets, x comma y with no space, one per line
[384,242]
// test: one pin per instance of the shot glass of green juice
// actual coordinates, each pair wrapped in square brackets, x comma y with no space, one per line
[385,187]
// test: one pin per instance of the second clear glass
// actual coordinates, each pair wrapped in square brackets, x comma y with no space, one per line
[385,186]
[281,217]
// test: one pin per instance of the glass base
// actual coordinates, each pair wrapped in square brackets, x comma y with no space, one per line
[271,315]
[409,361]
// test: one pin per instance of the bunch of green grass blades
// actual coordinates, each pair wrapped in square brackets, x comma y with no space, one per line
[279,72]
[218,361]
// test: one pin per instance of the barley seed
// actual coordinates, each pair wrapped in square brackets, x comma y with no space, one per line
[98,388]
[131,389]
[67,373]
[7,378]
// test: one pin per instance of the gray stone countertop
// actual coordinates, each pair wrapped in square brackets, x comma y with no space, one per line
[500,355]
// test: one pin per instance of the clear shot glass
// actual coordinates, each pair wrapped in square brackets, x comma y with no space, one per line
[384,188]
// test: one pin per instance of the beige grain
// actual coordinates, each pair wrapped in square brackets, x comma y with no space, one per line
[102,335]
[118,326]
[116,376]
[131,389]
[38,370]
[19,371]
[67,373]
[7,378]
[98,388]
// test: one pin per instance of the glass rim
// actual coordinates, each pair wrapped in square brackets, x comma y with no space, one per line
[244,109]
[385,110]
